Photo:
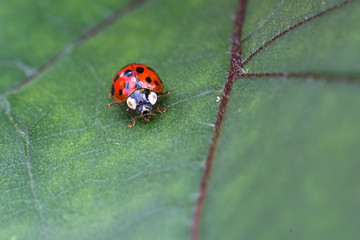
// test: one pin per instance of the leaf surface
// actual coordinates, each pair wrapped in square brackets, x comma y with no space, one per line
[70,169]
[287,159]
[285,166]
[34,31]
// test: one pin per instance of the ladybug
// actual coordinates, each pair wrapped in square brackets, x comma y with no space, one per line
[139,86]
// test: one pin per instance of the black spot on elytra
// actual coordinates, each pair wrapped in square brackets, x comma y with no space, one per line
[126,85]
[157,83]
[148,80]
[150,69]
[139,70]
[128,73]
[116,77]
[112,90]
[120,91]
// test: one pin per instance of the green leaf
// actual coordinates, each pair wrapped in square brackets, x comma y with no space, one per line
[33,31]
[286,162]
[70,169]
[288,156]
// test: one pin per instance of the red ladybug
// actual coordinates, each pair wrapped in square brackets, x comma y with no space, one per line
[140,86]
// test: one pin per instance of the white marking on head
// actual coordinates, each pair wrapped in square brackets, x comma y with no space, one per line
[145,112]
[131,103]
[152,98]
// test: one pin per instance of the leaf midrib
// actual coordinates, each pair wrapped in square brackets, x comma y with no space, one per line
[236,72]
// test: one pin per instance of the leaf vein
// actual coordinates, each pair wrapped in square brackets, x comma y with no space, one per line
[295,26]
[95,30]
[38,206]
[264,21]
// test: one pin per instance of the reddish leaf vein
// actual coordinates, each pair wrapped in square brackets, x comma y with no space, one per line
[236,64]
[235,72]
[302,75]
[293,27]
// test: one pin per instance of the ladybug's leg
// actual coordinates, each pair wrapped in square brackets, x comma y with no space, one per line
[115,103]
[158,107]
[132,118]
[148,119]
[165,93]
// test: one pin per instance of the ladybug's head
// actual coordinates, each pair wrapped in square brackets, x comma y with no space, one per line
[142,100]
[144,110]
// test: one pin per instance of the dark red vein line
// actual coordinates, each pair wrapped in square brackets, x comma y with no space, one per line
[236,64]
[329,78]
[264,21]
[293,27]
[236,48]
[82,38]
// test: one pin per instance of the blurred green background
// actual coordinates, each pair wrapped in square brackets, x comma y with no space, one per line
[287,162]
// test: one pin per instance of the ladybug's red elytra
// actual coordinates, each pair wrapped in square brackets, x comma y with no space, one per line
[139,86]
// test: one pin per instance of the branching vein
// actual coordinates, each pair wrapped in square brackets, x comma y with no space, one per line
[25,138]
[293,27]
